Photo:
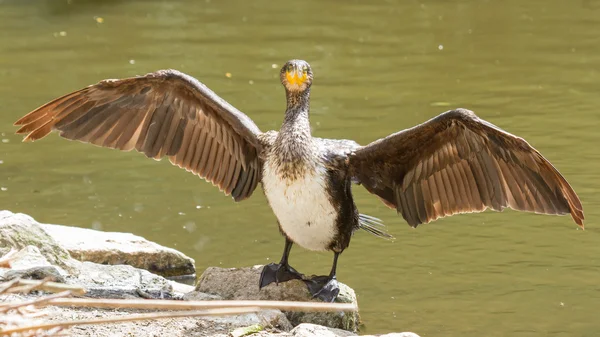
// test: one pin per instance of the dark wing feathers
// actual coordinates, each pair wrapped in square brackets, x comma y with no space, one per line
[166,113]
[458,163]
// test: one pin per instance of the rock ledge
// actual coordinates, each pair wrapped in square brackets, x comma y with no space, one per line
[49,251]
[120,248]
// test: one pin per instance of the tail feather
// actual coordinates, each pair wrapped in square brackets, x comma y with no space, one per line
[374,226]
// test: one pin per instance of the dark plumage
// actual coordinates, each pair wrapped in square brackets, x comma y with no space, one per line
[453,163]
[166,113]
[459,163]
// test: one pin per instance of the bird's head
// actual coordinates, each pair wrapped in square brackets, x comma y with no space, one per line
[296,75]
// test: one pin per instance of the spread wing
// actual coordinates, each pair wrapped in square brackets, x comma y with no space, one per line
[458,163]
[165,113]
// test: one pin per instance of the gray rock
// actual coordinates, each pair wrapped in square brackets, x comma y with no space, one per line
[242,284]
[49,273]
[267,318]
[28,257]
[41,256]
[121,281]
[20,230]
[120,248]
[313,330]
[29,263]
[180,287]
[100,281]
[199,296]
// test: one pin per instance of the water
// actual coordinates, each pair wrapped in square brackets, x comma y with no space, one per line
[528,67]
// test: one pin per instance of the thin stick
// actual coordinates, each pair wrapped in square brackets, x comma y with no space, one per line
[52,287]
[195,305]
[7,285]
[26,289]
[129,318]
[38,301]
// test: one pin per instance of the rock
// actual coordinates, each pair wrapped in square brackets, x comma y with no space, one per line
[313,330]
[41,256]
[35,273]
[181,326]
[242,284]
[199,296]
[121,281]
[270,318]
[181,288]
[20,230]
[29,263]
[30,256]
[120,248]
[100,281]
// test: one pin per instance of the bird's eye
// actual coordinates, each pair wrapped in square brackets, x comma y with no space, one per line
[305,69]
[290,67]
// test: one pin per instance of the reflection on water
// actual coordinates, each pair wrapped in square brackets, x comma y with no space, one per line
[528,67]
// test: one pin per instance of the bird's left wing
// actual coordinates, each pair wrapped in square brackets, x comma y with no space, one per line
[165,113]
[459,163]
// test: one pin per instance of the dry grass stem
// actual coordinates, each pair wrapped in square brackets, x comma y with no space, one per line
[4,287]
[45,285]
[129,318]
[20,319]
[197,305]
[37,302]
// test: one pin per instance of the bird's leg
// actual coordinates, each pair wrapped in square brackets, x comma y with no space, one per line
[280,272]
[325,287]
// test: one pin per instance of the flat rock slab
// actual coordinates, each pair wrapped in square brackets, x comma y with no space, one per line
[40,255]
[100,281]
[242,284]
[122,281]
[116,248]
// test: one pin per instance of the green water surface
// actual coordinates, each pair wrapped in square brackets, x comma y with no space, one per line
[530,67]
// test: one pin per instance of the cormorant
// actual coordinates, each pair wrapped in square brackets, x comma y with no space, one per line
[453,163]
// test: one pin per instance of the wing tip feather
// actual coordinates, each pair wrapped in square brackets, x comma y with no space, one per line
[578,220]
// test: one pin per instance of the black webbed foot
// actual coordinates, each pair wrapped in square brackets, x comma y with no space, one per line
[324,288]
[278,273]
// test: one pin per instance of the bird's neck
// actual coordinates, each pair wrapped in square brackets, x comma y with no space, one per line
[296,122]
[294,141]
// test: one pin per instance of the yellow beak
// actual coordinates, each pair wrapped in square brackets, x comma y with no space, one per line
[295,77]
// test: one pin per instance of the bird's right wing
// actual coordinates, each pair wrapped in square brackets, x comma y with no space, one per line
[165,113]
[459,163]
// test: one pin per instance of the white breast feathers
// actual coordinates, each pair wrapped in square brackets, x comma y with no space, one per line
[302,206]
